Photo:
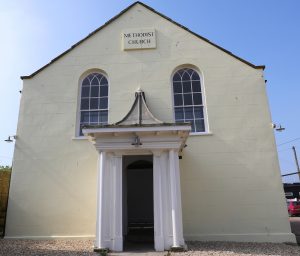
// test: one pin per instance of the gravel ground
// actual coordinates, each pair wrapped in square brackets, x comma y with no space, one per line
[235,249]
[85,247]
[12,247]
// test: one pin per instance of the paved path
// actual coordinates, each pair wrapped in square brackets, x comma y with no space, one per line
[139,253]
[138,249]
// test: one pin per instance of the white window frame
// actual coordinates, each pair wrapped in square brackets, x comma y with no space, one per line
[78,113]
[203,94]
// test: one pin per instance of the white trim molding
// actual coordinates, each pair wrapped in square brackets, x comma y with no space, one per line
[250,237]
[137,129]
[49,237]
[201,134]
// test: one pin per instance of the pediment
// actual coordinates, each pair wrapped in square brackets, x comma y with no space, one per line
[139,114]
[148,10]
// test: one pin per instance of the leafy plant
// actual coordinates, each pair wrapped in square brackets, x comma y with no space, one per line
[5,168]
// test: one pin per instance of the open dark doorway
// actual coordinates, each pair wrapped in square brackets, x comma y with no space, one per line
[138,214]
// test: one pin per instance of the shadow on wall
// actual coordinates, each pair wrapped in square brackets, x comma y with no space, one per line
[21,219]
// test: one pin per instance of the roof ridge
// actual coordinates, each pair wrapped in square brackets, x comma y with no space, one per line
[158,13]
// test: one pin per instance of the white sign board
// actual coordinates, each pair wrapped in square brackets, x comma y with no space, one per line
[143,38]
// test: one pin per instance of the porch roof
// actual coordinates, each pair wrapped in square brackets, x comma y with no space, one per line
[139,123]
[139,116]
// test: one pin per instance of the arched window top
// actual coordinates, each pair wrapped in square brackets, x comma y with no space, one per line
[188,100]
[94,79]
[186,74]
[93,100]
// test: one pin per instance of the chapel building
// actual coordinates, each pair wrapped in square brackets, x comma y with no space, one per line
[145,126]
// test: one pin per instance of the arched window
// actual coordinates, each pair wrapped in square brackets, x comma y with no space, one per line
[188,103]
[93,100]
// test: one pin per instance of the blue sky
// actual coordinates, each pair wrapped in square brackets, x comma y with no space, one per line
[263,32]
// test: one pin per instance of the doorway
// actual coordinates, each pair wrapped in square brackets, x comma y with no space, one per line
[138,214]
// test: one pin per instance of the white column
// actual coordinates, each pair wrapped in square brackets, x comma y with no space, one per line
[99,243]
[158,206]
[178,186]
[117,233]
[176,229]
[166,200]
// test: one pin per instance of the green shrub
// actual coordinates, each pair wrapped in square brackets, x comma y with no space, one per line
[5,168]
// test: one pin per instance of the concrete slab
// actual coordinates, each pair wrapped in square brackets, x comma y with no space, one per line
[139,249]
[138,253]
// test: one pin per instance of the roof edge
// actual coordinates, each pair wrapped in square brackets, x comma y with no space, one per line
[158,13]
[203,38]
[79,42]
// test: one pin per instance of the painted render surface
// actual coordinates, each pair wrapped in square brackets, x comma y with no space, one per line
[230,180]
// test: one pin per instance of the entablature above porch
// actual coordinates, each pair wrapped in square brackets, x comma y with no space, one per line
[138,138]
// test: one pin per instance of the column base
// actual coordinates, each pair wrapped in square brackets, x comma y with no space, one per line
[101,250]
[177,249]
[159,243]
[117,244]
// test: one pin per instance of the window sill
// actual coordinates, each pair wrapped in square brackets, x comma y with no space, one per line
[79,138]
[201,133]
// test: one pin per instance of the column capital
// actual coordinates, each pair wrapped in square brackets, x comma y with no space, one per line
[175,150]
[157,152]
[117,154]
[101,150]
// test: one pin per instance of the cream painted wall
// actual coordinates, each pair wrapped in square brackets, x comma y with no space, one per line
[231,186]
